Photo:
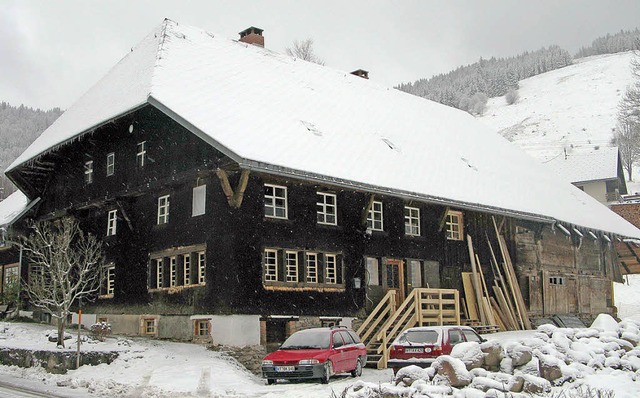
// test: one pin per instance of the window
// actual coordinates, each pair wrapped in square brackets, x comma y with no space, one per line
[455,337]
[141,155]
[163,209]
[281,268]
[275,201]
[412,221]
[202,266]
[331,269]
[270,265]
[202,327]
[327,209]
[10,275]
[159,272]
[111,164]
[312,268]
[175,267]
[88,171]
[454,225]
[374,220]
[292,266]
[187,268]
[173,271]
[199,200]
[112,222]
[556,280]
[149,326]
[109,279]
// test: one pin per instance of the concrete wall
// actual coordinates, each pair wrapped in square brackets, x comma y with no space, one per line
[175,327]
[235,330]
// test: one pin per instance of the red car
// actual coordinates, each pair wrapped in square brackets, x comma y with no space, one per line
[316,353]
[422,345]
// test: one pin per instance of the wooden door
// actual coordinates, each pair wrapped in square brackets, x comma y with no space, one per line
[393,275]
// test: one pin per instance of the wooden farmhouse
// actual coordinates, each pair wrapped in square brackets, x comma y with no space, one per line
[243,194]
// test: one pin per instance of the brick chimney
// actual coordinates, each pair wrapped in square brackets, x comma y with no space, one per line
[252,35]
[361,73]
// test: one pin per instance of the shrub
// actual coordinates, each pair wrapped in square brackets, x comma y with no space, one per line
[100,330]
[512,96]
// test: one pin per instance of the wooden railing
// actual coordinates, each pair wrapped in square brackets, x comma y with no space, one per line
[423,307]
[385,309]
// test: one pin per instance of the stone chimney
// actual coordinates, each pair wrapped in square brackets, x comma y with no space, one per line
[252,35]
[361,73]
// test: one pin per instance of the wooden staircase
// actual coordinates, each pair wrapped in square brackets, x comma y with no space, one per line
[422,307]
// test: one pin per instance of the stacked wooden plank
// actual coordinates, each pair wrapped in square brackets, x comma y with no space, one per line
[502,306]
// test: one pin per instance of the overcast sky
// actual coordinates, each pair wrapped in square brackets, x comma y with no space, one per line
[51,52]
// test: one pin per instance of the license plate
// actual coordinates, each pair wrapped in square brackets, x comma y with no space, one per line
[413,350]
[285,368]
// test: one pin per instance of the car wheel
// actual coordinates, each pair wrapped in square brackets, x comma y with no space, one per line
[328,369]
[357,372]
[271,381]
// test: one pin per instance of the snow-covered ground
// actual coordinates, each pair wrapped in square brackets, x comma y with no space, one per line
[572,105]
[153,368]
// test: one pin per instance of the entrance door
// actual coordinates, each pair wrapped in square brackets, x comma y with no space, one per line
[393,274]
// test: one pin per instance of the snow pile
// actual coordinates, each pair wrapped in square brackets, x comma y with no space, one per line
[548,358]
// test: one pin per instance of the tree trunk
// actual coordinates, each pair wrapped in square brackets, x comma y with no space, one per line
[61,326]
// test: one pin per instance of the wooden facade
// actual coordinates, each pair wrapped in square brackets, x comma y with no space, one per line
[156,265]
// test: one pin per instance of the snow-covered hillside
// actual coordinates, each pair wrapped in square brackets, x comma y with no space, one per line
[575,105]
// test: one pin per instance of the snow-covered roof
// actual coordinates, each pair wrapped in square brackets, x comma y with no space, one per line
[276,113]
[586,164]
[12,207]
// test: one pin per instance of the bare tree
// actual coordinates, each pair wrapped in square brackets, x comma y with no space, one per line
[627,135]
[66,265]
[304,50]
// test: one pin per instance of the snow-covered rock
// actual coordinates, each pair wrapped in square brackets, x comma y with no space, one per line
[605,323]
[453,369]
[470,353]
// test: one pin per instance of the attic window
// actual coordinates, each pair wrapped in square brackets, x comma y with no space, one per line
[312,128]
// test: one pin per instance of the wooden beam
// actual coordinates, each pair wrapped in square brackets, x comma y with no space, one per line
[233,198]
[367,209]
[443,219]
[477,288]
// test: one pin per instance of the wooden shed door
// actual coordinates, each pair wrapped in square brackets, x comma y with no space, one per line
[393,274]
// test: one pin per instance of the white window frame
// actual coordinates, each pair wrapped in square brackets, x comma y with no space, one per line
[331,269]
[173,269]
[199,201]
[270,265]
[163,209]
[109,280]
[327,208]
[376,216]
[11,274]
[88,172]
[141,153]
[159,272]
[186,263]
[411,221]
[455,225]
[202,266]
[111,163]
[291,266]
[271,202]
[312,267]
[112,222]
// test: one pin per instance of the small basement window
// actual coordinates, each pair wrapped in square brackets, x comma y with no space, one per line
[202,327]
[149,326]
[556,280]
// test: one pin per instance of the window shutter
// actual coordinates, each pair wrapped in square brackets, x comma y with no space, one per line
[302,268]
[199,200]
[152,274]
[339,270]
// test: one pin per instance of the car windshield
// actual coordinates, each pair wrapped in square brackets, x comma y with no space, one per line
[419,337]
[307,339]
